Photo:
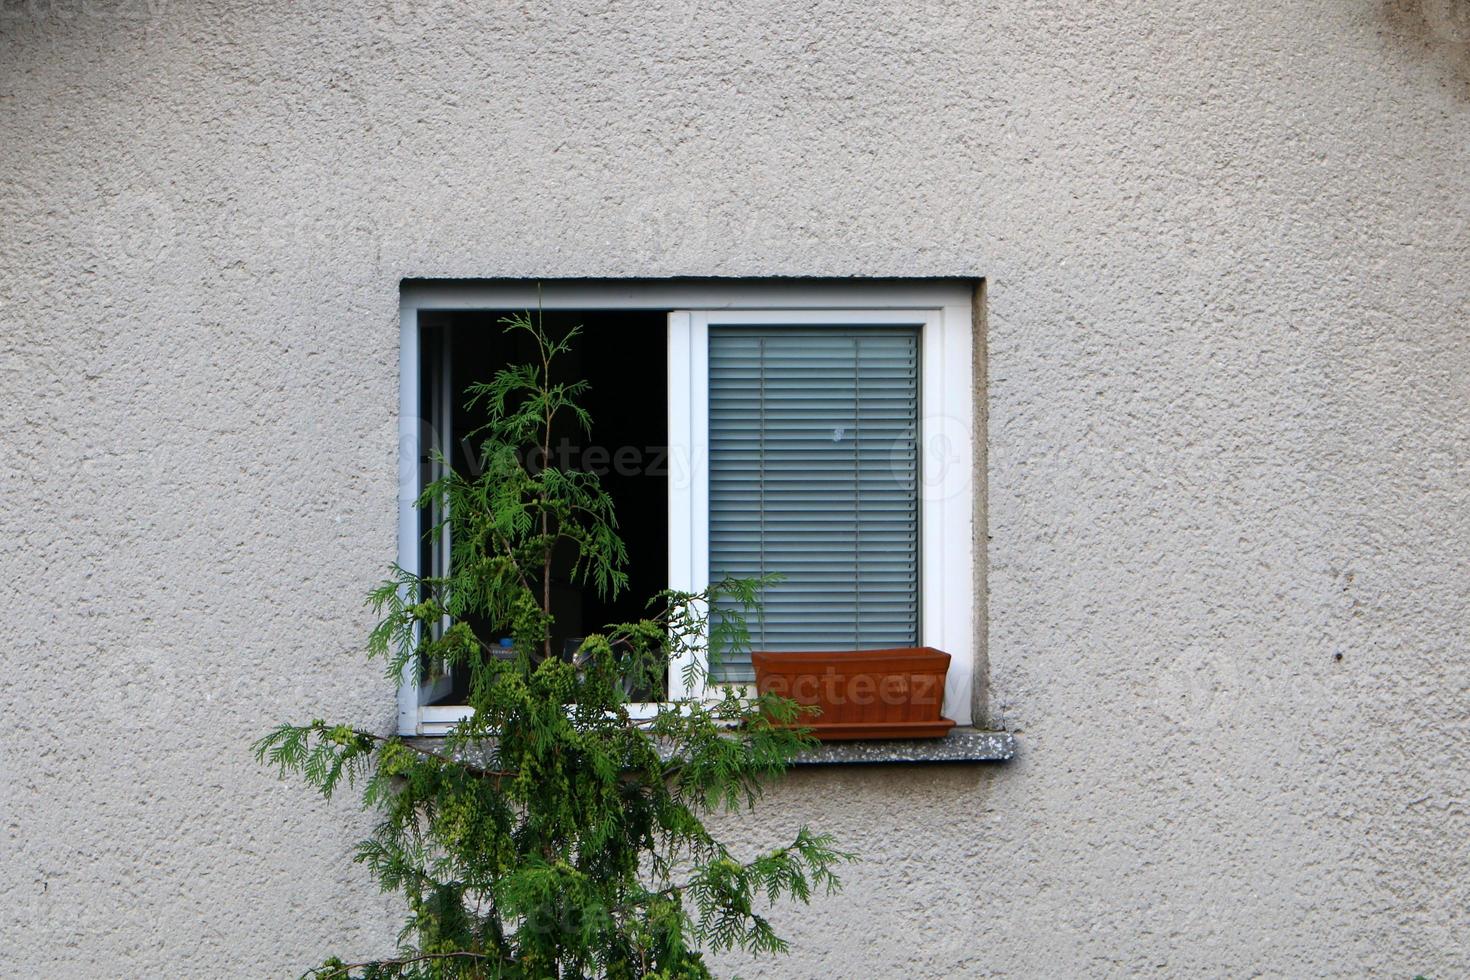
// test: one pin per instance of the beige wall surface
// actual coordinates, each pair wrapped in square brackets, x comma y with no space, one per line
[1229,293]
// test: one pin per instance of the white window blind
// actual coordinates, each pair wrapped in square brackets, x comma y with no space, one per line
[813,474]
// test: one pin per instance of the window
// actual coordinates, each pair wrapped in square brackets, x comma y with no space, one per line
[821,430]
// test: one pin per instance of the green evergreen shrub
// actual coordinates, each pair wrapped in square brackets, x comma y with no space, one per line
[551,833]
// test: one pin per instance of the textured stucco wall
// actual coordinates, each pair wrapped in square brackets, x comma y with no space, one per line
[1229,283]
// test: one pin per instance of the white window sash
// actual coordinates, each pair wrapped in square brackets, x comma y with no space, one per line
[946,469]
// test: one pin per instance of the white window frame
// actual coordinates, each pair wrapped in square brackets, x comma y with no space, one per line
[941,309]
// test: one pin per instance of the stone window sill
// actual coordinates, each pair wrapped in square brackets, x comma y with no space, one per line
[960,745]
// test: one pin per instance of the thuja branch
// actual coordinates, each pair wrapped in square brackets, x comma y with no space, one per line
[305,748]
[334,971]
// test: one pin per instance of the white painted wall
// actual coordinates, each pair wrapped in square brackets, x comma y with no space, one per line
[1226,244]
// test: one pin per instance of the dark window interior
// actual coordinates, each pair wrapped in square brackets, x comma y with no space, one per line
[623,355]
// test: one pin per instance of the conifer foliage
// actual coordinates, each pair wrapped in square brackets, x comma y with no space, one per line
[551,833]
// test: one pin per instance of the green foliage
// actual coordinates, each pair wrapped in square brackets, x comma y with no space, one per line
[553,834]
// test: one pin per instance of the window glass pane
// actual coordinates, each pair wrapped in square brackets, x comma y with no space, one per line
[814,475]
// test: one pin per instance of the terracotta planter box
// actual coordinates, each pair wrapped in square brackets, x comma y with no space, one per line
[864,693]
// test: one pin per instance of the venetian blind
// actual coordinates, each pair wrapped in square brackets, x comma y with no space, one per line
[814,475]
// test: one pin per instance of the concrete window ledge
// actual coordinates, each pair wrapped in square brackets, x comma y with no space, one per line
[960,745]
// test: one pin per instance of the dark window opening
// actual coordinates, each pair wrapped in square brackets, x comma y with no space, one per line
[623,356]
